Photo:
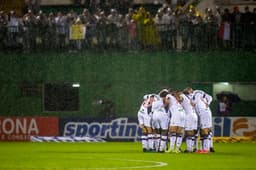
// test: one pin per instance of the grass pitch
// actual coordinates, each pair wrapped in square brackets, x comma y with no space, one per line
[116,156]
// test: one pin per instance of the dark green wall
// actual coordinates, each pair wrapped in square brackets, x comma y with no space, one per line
[122,77]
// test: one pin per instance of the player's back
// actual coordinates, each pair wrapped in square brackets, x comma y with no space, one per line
[187,104]
[174,104]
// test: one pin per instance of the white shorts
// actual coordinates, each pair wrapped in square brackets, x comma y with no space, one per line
[144,119]
[178,118]
[205,118]
[160,120]
[191,121]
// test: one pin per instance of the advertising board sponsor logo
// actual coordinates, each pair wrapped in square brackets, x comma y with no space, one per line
[21,128]
[244,126]
[124,128]
[120,128]
[234,126]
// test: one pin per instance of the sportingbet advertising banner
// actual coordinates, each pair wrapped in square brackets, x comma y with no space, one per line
[21,128]
[116,129]
[128,129]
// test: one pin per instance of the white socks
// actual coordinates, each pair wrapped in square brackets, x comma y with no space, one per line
[206,143]
[144,141]
[179,141]
[150,142]
[162,143]
[211,140]
[172,141]
[157,142]
[190,143]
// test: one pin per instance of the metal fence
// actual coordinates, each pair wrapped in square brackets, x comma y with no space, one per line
[30,37]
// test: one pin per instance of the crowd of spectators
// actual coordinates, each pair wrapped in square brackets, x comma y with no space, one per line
[171,28]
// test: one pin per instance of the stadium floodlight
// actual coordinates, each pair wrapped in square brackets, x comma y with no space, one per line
[225,83]
[76,85]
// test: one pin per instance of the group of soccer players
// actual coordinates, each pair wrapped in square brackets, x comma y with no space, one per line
[172,115]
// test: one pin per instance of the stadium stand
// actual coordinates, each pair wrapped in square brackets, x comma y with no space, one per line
[66,44]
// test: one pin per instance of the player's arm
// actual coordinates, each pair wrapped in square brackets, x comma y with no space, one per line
[208,98]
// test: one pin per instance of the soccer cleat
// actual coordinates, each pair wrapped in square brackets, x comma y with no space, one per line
[198,151]
[203,151]
[145,150]
[187,151]
[151,150]
[168,151]
[177,151]
[212,149]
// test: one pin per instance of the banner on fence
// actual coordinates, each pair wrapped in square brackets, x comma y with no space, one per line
[117,129]
[77,32]
[21,128]
[234,126]
[123,128]
[126,128]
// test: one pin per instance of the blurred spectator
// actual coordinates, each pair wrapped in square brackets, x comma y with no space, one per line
[151,39]
[183,28]
[90,23]
[42,25]
[101,29]
[107,109]
[139,17]
[236,29]
[224,106]
[254,22]
[51,34]
[224,31]
[107,27]
[33,5]
[29,31]
[3,29]
[247,20]
[171,29]
[61,30]
[132,35]
[190,17]
[78,42]
[113,21]
[160,22]
[13,30]
[211,30]
[197,33]
[94,4]
[225,101]
[218,15]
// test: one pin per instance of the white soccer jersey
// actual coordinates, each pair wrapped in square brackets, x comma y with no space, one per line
[202,101]
[187,104]
[144,113]
[143,117]
[177,112]
[191,120]
[160,117]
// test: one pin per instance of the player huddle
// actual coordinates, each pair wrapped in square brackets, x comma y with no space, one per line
[168,115]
